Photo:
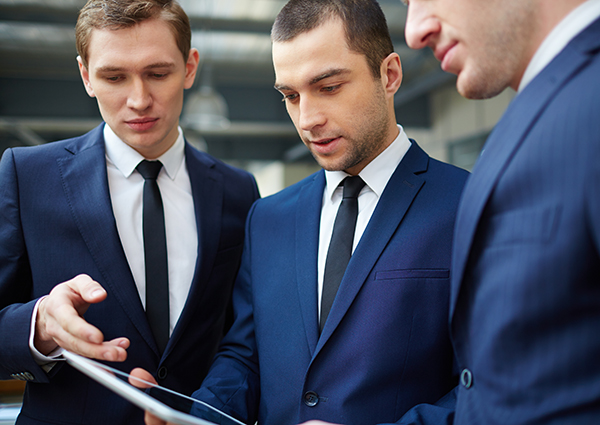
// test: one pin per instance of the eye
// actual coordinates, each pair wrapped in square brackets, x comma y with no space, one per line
[159,76]
[330,89]
[113,78]
[290,97]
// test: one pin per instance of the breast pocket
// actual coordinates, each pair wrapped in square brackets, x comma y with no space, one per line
[523,226]
[413,274]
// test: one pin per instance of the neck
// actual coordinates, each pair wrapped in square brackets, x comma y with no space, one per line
[551,13]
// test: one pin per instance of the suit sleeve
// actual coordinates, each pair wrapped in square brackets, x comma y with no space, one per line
[232,384]
[16,305]
[440,413]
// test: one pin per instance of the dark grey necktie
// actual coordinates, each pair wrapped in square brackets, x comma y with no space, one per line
[340,246]
[155,255]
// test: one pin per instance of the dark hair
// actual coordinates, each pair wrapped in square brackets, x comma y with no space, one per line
[364,22]
[118,14]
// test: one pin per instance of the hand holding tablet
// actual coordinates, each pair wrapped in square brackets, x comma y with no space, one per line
[161,402]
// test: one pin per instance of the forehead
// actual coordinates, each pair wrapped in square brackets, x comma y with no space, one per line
[314,52]
[148,41]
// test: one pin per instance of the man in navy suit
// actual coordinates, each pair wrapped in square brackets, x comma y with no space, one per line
[525,301]
[71,212]
[383,349]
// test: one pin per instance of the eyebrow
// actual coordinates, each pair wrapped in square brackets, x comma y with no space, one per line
[151,66]
[327,74]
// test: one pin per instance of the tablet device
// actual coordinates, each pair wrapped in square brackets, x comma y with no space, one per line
[167,404]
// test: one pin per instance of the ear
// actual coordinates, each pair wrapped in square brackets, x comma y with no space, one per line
[85,76]
[391,73]
[191,68]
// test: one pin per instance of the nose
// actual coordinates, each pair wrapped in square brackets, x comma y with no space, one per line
[310,114]
[421,26]
[139,96]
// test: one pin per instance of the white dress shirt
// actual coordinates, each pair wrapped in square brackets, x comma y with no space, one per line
[126,188]
[376,176]
[559,37]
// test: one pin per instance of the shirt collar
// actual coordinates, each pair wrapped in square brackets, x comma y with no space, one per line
[378,172]
[125,158]
[559,37]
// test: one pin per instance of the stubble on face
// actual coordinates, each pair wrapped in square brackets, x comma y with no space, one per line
[503,53]
[365,141]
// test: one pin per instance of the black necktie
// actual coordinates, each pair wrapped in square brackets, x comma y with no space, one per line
[155,255]
[340,246]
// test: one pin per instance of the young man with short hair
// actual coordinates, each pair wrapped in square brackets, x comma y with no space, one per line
[77,212]
[375,348]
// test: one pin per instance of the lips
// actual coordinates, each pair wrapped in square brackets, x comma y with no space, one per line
[325,146]
[142,124]
[323,141]
[444,55]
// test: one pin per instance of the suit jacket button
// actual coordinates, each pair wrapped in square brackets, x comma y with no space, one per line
[311,398]
[162,372]
[466,378]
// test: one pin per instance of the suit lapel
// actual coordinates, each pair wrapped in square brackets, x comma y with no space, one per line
[399,193]
[85,182]
[504,142]
[207,191]
[308,217]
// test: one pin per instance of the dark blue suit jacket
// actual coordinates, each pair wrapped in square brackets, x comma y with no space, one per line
[525,312]
[385,347]
[56,221]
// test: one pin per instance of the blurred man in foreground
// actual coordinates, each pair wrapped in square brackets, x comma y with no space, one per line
[525,301]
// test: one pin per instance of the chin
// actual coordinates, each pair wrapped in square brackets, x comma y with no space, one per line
[483,88]
[328,165]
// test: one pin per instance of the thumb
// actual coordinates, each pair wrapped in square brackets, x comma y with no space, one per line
[141,378]
[90,290]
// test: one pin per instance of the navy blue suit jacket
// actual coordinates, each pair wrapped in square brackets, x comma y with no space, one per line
[56,221]
[525,312]
[385,346]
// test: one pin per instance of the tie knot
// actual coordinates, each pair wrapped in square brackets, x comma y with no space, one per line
[149,169]
[352,186]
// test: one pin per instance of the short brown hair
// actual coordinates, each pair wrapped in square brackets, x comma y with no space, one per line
[119,14]
[364,22]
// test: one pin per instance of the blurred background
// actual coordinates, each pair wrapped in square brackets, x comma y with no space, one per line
[232,112]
